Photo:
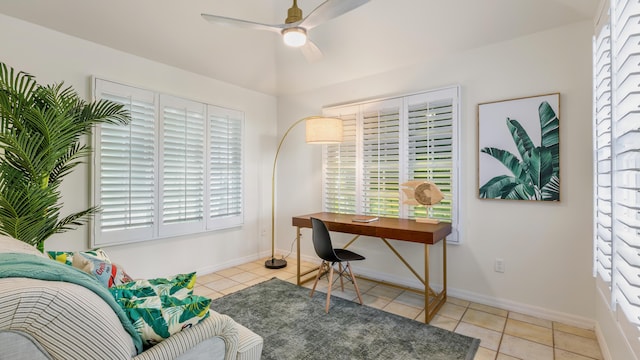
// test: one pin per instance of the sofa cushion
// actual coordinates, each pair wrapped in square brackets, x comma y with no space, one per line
[11,245]
[158,317]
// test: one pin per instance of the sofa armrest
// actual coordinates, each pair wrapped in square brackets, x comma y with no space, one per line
[215,325]
[67,320]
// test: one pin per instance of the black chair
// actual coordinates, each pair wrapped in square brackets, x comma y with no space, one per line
[331,256]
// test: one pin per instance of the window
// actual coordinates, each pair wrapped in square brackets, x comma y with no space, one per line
[616,55]
[388,142]
[176,169]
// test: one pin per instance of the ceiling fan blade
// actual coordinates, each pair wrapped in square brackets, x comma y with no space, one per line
[328,10]
[311,51]
[222,20]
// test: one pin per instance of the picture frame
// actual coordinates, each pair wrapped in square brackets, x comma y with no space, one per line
[519,148]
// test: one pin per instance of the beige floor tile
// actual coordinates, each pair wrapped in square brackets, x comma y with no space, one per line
[221,284]
[204,291]
[347,294]
[506,357]
[229,272]
[244,277]
[484,354]
[529,331]
[255,281]
[525,349]
[250,266]
[484,319]
[263,271]
[440,321]
[384,291]
[458,302]
[577,344]
[566,355]
[215,295]
[410,298]
[574,330]
[284,276]
[451,310]
[375,301]
[402,310]
[234,289]
[207,278]
[489,309]
[365,285]
[290,268]
[531,320]
[488,338]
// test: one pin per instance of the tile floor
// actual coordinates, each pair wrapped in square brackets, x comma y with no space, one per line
[504,335]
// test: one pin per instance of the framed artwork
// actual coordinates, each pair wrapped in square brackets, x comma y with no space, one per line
[519,149]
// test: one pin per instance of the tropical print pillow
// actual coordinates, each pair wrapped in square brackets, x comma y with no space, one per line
[179,286]
[158,317]
[66,257]
[95,262]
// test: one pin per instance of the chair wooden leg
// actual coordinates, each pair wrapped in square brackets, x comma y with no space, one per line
[329,290]
[320,269]
[341,281]
[355,284]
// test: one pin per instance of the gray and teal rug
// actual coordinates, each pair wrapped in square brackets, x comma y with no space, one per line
[295,326]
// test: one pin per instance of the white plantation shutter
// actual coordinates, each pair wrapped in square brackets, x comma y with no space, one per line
[431,156]
[176,169]
[381,159]
[339,167]
[225,167]
[182,150]
[125,183]
[602,154]
[625,133]
[617,239]
[388,142]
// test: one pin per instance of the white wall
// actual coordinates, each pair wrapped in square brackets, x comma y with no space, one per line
[546,246]
[54,57]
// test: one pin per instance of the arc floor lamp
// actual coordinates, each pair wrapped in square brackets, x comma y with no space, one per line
[319,130]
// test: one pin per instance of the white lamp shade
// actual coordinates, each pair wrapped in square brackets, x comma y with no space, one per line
[294,37]
[321,130]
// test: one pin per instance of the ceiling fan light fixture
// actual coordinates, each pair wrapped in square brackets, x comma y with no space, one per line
[294,37]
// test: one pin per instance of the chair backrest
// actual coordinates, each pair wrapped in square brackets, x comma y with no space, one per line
[322,241]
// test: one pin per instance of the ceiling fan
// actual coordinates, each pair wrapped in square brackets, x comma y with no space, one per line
[295,28]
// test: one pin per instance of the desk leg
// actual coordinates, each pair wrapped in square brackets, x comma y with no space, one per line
[427,288]
[444,268]
[298,253]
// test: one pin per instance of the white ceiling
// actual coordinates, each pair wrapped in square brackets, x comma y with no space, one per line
[376,37]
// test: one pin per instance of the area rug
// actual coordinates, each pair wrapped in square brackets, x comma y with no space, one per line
[295,326]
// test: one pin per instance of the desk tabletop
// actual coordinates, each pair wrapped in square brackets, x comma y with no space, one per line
[389,228]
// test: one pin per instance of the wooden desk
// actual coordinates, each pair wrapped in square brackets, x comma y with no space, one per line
[391,228]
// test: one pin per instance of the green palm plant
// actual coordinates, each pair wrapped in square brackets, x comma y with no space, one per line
[536,174]
[41,133]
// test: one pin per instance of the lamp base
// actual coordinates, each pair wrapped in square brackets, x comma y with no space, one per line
[274,263]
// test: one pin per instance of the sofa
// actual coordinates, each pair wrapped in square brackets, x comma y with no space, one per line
[52,319]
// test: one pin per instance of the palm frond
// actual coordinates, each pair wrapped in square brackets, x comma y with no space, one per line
[520,137]
[41,129]
[509,160]
[538,166]
[550,131]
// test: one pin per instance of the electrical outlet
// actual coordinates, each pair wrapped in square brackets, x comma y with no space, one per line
[499,265]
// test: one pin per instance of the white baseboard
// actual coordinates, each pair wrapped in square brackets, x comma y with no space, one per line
[604,349]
